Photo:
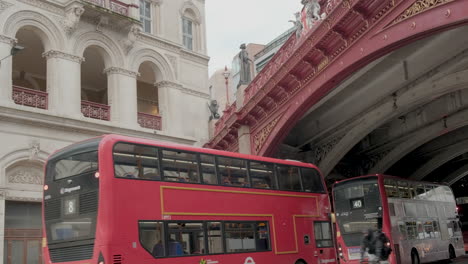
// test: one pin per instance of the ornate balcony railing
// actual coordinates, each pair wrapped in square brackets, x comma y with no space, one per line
[30,97]
[149,121]
[113,5]
[95,110]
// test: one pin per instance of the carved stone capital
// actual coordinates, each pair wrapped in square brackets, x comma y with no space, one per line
[62,55]
[116,70]
[8,40]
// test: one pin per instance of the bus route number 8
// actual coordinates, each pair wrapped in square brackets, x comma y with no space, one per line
[70,206]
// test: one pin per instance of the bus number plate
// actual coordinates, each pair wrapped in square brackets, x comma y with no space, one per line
[357,203]
[69,206]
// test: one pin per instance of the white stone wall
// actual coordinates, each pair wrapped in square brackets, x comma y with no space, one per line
[66,28]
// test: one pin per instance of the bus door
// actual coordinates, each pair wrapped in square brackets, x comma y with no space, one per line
[316,240]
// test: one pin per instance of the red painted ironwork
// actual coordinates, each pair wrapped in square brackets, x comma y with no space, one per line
[114,5]
[352,34]
[30,97]
[119,7]
[150,121]
[95,110]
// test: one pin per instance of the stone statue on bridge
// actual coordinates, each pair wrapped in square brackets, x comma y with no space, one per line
[297,24]
[213,106]
[244,62]
[312,9]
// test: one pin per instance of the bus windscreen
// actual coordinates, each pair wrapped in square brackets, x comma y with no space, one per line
[358,207]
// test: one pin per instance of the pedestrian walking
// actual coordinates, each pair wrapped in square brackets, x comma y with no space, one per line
[376,245]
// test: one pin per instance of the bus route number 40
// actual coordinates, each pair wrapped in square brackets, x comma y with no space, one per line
[357,203]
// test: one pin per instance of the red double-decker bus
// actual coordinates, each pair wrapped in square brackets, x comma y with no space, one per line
[419,218]
[122,200]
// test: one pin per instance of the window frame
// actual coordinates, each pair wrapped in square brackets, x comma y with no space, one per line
[248,180]
[144,18]
[187,35]
[321,233]
[166,236]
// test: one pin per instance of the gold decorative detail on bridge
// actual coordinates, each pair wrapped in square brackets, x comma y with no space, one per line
[261,137]
[418,7]
[323,63]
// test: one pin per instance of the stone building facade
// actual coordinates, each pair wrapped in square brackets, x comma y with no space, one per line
[91,67]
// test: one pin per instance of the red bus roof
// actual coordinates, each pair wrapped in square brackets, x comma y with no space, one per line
[385,176]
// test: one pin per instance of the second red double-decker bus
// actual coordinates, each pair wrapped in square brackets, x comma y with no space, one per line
[462,206]
[419,218]
[121,200]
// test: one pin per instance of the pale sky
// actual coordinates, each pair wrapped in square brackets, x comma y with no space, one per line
[233,22]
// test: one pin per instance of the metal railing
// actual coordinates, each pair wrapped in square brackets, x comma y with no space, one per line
[30,97]
[149,121]
[113,5]
[95,110]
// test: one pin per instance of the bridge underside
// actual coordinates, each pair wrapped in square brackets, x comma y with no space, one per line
[404,114]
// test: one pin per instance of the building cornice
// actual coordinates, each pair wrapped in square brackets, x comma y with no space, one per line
[49,121]
[121,71]
[168,84]
[196,57]
[62,55]
[153,40]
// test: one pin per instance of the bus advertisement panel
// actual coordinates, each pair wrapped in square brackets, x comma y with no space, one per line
[419,218]
[121,200]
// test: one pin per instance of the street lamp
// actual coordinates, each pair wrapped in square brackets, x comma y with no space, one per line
[14,50]
[226,77]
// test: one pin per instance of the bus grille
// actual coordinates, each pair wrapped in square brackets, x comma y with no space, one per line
[52,210]
[117,259]
[71,253]
[88,202]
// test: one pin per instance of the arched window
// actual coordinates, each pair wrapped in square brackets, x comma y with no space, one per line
[191,29]
[187,33]
[29,70]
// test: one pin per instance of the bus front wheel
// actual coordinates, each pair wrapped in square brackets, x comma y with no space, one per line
[300,262]
[414,257]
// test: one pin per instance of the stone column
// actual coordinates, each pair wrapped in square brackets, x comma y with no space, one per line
[6,70]
[244,135]
[171,107]
[2,223]
[122,92]
[64,83]
[157,17]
